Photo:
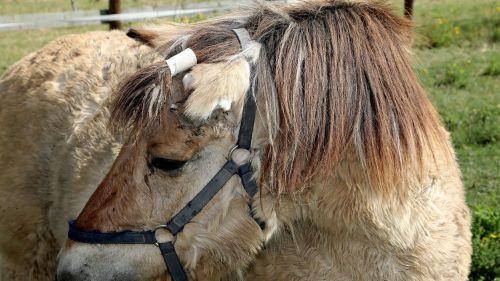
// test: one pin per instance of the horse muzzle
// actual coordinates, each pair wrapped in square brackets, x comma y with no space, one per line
[81,275]
[83,262]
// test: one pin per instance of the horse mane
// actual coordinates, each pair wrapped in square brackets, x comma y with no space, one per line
[334,77]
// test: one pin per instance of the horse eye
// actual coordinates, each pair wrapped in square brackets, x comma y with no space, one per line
[167,165]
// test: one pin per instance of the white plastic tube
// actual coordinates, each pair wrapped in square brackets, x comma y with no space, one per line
[182,61]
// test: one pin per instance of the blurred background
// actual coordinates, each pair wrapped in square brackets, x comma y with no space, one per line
[456,55]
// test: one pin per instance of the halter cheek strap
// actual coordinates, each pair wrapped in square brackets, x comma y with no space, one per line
[193,207]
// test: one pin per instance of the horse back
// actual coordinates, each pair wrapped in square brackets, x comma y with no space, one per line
[54,142]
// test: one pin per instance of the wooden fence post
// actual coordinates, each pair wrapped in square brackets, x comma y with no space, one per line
[73,5]
[114,8]
[408,8]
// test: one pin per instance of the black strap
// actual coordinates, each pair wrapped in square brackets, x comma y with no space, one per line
[176,224]
[246,174]
[245,134]
[250,107]
[172,261]
[123,237]
[250,185]
[247,122]
[243,37]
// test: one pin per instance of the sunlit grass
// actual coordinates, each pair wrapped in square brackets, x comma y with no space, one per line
[49,6]
[16,44]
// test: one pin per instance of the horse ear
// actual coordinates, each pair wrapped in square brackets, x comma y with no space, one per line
[157,36]
[142,35]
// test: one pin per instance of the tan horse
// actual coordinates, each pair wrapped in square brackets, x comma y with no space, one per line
[357,175]
[54,146]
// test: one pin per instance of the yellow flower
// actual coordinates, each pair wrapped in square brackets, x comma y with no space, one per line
[494,235]
[456,30]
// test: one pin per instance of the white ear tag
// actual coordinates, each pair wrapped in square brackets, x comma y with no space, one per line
[182,61]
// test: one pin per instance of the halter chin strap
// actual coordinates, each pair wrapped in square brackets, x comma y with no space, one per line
[193,207]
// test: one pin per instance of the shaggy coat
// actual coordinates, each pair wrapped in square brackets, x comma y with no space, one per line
[54,143]
[358,178]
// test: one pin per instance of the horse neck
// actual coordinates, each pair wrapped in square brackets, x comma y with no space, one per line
[347,200]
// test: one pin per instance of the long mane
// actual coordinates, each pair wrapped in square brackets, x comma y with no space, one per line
[334,77]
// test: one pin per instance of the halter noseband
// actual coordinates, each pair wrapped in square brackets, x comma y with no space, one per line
[193,207]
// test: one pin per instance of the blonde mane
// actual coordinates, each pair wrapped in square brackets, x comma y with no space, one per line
[333,77]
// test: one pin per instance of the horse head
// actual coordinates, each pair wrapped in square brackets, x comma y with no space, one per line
[332,83]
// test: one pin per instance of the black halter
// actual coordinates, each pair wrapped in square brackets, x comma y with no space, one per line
[193,207]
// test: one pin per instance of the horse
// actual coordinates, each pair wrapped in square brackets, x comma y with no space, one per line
[357,176]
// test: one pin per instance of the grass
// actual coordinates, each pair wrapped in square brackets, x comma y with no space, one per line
[457,57]
[51,6]
[16,44]
[461,72]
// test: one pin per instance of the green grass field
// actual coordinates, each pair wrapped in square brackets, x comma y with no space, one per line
[457,57]
[50,6]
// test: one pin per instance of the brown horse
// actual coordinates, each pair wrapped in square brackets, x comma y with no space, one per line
[357,176]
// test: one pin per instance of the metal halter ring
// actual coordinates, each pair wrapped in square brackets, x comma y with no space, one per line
[163,226]
[230,156]
[236,158]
